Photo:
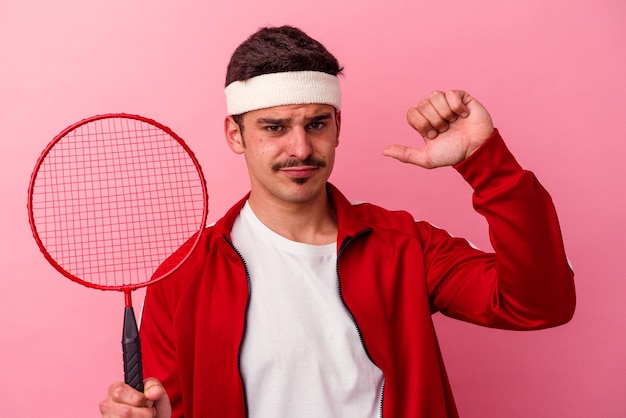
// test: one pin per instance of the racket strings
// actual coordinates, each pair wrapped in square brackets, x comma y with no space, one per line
[114,198]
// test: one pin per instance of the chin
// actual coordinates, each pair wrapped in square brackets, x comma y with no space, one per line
[301,181]
[306,189]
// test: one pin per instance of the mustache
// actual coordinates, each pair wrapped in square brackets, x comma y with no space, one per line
[292,162]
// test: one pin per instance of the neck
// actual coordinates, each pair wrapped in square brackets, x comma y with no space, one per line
[312,222]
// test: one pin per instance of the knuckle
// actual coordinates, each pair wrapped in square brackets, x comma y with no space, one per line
[410,115]
[103,407]
[125,411]
[415,118]
[436,94]
[423,104]
[116,391]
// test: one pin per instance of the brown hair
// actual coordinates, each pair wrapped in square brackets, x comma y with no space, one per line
[279,49]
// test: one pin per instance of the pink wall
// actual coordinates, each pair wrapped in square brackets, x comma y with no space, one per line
[552,73]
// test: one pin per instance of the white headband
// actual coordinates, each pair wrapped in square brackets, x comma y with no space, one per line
[277,89]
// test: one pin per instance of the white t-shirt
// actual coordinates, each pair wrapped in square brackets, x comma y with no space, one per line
[301,354]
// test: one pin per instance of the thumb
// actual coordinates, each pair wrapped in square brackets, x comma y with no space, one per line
[405,154]
[156,394]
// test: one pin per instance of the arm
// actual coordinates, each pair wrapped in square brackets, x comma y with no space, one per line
[527,283]
[125,401]
[158,359]
[159,352]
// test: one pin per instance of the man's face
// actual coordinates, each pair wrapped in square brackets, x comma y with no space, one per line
[289,150]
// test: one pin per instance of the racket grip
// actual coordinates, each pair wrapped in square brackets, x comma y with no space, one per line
[131,347]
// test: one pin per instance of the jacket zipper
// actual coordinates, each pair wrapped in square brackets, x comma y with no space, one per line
[343,246]
[245,325]
[346,242]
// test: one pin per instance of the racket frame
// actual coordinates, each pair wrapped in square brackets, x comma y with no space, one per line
[126,288]
[131,345]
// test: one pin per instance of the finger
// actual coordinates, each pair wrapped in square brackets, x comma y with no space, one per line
[114,410]
[120,392]
[419,118]
[432,116]
[457,101]
[439,101]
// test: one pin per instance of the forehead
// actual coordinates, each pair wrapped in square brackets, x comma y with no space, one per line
[292,112]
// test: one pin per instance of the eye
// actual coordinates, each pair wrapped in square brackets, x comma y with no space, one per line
[316,126]
[273,128]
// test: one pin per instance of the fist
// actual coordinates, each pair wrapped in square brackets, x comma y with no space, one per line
[452,124]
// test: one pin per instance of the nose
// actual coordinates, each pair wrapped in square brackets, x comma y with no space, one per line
[299,144]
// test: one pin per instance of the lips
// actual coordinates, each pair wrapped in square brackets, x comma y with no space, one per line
[300,171]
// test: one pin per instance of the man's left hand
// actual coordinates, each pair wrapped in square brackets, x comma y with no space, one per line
[453,125]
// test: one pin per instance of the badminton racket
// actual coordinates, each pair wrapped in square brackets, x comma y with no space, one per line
[117,202]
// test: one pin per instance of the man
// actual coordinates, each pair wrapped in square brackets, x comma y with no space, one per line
[298,303]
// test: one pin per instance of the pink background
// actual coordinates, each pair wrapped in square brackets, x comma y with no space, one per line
[552,73]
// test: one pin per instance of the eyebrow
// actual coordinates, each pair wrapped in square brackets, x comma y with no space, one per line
[286,121]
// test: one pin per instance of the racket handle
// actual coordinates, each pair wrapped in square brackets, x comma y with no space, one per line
[133,374]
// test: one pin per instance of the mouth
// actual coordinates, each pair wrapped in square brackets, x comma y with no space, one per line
[296,169]
[300,172]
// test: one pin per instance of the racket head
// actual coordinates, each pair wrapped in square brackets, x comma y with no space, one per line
[117,201]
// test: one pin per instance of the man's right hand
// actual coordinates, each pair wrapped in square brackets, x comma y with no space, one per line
[124,402]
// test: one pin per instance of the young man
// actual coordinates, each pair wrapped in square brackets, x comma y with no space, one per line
[298,303]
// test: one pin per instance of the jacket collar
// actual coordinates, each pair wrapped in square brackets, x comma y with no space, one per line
[349,222]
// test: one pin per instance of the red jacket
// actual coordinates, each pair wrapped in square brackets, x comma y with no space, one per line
[394,273]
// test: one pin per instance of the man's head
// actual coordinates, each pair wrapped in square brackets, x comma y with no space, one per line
[282,85]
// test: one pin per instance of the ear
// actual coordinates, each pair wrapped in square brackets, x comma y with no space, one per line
[233,135]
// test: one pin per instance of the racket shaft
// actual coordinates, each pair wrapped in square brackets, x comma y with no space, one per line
[133,374]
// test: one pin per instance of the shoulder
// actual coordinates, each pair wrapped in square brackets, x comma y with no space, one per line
[356,216]
[211,249]
[379,216]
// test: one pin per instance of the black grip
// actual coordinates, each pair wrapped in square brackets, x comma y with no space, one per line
[131,346]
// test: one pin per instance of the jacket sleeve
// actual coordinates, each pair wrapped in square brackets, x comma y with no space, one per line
[527,283]
[159,355]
